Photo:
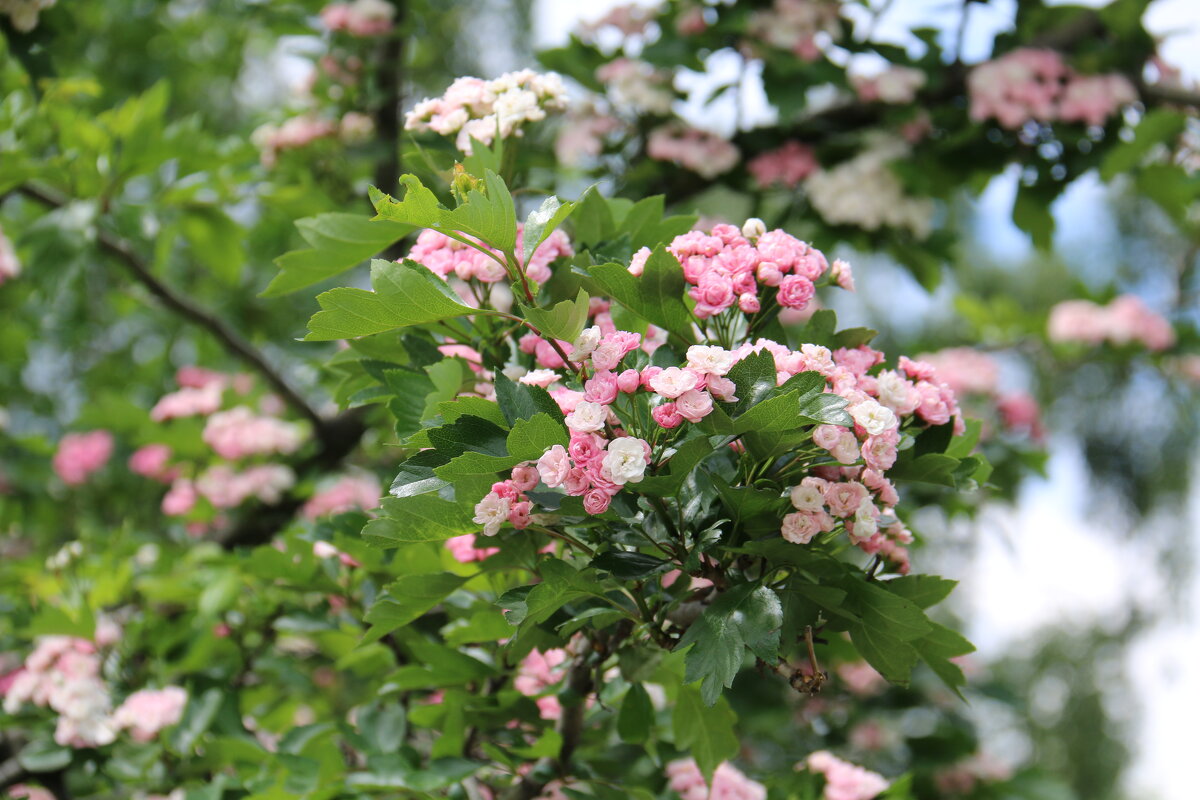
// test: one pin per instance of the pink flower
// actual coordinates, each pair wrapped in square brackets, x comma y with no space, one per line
[518,514]
[800,527]
[151,462]
[180,498]
[667,415]
[525,477]
[10,267]
[844,498]
[147,712]
[694,405]
[464,550]
[351,492]
[685,778]
[189,401]
[596,501]
[843,780]
[629,381]
[602,387]
[554,465]
[81,454]
[786,165]
[576,481]
[795,291]
[673,381]
[239,432]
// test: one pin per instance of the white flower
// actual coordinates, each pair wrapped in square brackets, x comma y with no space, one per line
[587,417]
[893,390]
[873,417]
[846,450]
[866,519]
[625,461]
[673,381]
[539,377]
[713,360]
[585,344]
[808,498]
[753,228]
[491,512]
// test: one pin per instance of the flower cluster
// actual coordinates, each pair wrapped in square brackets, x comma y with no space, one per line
[895,85]
[636,86]
[360,17]
[730,267]
[969,372]
[706,154]
[239,432]
[786,165]
[300,131]
[843,780]
[348,493]
[80,454]
[582,135]
[537,673]
[728,783]
[24,13]
[473,108]
[1125,320]
[1035,84]
[630,19]
[865,192]
[446,256]
[796,25]
[10,267]
[63,674]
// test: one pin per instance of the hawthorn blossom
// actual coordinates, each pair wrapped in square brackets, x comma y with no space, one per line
[363,18]
[349,493]
[786,165]
[729,783]
[843,780]
[146,712]
[10,267]
[864,191]
[81,454]
[706,154]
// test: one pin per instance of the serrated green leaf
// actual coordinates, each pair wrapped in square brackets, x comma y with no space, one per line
[405,293]
[420,518]
[336,243]
[563,321]
[704,730]
[530,438]
[407,599]
[636,716]
[540,224]
[490,218]
[656,296]
[744,616]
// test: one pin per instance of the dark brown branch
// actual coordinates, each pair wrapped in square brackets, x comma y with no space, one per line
[124,252]
[570,726]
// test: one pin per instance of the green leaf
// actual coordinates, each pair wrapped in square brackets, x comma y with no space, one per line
[337,242]
[891,657]
[561,583]
[656,296]
[636,716]
[679,466]
[540,224]
[217,242]
[1031,213]
[934,468]
[746,615]
[416,475]
[627,565]
[405,293]
[1156,127]
[519,401]
[923,590]
[564,321]
[592,222]
[937,648]
[198,716]
[530,438]
[489,217]
[420,518]
[469,434]
[646,227]
[705,730]
[408,599]
[383,725]
[42,755]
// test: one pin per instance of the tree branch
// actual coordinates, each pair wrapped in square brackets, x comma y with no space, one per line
[124,252]
[570,727]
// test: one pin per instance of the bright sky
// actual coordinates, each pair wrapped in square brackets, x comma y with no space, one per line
[1042,562]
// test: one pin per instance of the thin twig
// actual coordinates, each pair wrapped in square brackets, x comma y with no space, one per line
[181,305]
